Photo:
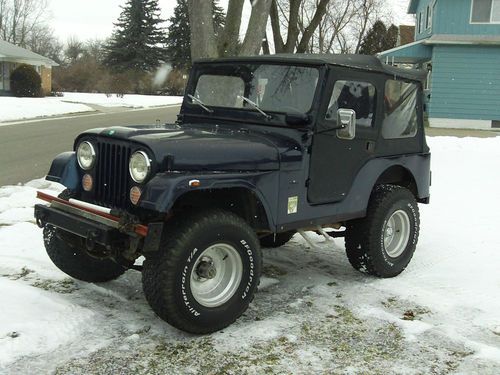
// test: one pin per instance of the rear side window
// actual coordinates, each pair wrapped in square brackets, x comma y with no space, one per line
[355,95]
[400,120]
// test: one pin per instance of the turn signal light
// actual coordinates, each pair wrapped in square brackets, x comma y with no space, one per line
[135,195]
[194,183]
[87,182]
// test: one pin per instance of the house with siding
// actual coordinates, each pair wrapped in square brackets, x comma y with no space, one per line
[458,42]
[11,56]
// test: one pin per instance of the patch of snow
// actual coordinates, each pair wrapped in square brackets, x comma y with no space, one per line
[16,202]
[128,100]
[241,337]
[35,322]
[14,109]
[28,108]
[267,282]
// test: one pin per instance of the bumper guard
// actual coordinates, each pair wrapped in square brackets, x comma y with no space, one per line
[94,223]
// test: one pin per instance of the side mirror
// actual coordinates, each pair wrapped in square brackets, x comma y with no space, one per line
[346,121]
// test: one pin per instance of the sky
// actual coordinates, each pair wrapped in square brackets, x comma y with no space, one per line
[93,19]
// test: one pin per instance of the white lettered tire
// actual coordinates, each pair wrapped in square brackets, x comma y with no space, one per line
[382,244]
[206,272]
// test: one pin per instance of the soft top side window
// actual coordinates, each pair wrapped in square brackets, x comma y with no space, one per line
[400,102]
[355,95]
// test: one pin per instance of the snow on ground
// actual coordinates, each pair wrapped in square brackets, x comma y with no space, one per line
[13,109]
[313,313]
[131,101]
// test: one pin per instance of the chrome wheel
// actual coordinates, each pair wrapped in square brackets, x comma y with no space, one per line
[216,275]
[396,233]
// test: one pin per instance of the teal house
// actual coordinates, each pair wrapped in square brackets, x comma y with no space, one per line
[458,43]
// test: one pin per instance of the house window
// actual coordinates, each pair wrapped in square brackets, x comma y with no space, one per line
[485,11]
[420,20]
[428,18]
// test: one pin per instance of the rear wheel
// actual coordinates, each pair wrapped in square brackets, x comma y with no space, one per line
[276,239]
[382,244]
[206,272]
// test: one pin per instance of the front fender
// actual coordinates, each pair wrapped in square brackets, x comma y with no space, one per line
[64,170]
[161,193]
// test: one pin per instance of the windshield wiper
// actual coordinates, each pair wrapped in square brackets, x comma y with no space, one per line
[255,106]
[195,100]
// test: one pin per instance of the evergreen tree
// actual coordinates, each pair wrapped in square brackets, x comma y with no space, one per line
[379,39]
[138,40]
[179,33]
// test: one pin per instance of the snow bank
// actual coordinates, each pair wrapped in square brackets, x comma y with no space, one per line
[13,109]
[25,108]
[131,101]
[35,321]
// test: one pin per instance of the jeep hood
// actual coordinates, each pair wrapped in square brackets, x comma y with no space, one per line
[204,148]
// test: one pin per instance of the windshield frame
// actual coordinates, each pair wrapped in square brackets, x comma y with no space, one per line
[247,114]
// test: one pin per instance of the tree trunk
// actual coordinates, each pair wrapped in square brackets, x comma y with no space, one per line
[265,46]
[279,46]
[228,42]
[293,26]
[203,42]
[256,27]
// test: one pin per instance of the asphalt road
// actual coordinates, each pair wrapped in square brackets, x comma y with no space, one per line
[27,149]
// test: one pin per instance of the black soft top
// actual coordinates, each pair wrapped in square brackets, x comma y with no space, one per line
[363,62]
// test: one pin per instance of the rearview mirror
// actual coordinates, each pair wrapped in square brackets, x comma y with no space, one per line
[346,121]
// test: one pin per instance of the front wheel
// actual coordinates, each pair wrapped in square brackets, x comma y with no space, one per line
[206,272]
[75,261]
[382,244]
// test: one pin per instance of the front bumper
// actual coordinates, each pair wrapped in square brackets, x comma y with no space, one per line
[96,225]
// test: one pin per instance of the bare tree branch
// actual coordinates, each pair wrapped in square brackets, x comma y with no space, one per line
[308,32]
[256,27]
[19,18]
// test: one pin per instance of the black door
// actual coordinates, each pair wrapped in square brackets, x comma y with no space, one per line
[335,162]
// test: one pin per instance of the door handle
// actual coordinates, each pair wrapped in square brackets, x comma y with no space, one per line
[370,147]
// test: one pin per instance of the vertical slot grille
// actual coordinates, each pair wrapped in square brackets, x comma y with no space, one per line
[112,175]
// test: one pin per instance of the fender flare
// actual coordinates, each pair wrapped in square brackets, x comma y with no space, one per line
[64,170]
[161,193]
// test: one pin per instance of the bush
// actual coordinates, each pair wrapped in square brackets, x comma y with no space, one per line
[25,82]
[81,76]
[176,83]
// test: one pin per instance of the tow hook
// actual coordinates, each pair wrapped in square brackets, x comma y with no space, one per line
[90,240]
[39,220]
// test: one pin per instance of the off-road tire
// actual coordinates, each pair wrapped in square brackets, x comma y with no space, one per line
[276,240]
[75,262]
[167,273]
[364,240]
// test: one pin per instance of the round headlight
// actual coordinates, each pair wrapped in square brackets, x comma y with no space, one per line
[85,154]
[139,166]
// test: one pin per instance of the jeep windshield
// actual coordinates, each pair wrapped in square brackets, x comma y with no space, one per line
[263,88]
